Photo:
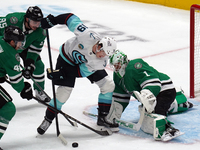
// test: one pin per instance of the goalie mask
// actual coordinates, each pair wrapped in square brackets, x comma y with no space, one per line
[108,45]
[118,62]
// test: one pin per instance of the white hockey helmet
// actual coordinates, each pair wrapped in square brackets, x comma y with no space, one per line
[108,44]
[118,62]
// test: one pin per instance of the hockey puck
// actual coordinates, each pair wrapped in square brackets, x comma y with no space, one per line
[74,144]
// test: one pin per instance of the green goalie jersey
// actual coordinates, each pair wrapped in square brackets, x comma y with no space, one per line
[10,65]
[34,40]
[139,75]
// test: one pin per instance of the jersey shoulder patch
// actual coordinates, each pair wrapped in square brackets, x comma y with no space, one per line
[138,65]
[13,20]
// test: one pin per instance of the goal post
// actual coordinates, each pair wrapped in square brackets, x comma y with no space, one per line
[194,50]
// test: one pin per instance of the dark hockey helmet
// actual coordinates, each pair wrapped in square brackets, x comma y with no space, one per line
[34,13]
[13,33]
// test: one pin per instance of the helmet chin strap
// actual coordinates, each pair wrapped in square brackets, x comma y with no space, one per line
[28,25]
[15,45]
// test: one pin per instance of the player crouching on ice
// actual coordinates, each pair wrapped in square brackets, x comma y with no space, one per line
[153,89]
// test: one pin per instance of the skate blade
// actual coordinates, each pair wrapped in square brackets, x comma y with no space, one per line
[168,138]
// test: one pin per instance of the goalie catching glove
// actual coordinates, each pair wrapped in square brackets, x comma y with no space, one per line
[147,98]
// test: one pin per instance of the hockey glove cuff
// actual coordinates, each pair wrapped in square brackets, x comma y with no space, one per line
[29,67]
[48,22]
[27,92]
[56,74]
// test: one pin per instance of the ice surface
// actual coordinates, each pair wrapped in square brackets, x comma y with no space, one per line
[156,33]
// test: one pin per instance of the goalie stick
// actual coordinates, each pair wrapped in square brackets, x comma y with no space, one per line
[122,123]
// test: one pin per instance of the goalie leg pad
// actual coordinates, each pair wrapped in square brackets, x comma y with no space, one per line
[180,104]
[154,124]
[116,110]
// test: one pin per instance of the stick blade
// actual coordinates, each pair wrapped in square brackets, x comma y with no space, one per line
[104,131]
[63,140]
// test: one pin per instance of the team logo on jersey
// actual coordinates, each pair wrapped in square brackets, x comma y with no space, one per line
[80,46]
[13,20]
[138,65]
[17,57]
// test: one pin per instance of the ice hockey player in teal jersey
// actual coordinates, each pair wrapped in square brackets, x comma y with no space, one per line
[155,89]
[29,23]
[10,71]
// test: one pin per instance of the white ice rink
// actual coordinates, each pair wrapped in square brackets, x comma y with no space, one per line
[156,33]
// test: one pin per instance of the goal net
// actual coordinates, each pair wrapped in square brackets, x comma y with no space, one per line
[195,51]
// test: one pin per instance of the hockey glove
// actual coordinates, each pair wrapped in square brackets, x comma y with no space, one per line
[3,79]
[29,67]
[27,92]
[48,22]
[147,98]
[56,74]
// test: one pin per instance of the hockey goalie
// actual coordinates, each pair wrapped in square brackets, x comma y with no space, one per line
[155,91]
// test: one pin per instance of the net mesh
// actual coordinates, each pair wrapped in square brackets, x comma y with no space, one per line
[197,52]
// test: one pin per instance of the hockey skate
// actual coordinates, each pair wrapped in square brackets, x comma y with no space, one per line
[102,121]
[40,95]
[170,133]
[44,126]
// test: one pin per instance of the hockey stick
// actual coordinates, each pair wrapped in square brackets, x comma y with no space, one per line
[103,132]
[72,123]
[122,123]
[60,135]
[53,86]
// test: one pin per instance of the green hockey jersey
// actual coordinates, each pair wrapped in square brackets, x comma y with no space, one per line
[10,65]
[139,75]
[34,40]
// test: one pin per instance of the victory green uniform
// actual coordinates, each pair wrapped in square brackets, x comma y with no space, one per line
[34,41]
[139,75]
[9,65]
